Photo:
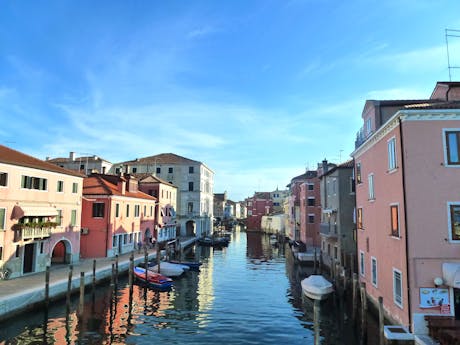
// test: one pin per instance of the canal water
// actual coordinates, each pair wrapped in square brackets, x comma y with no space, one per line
[246,293]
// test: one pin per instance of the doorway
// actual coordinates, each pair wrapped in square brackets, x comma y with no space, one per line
[29,254]
[457,303]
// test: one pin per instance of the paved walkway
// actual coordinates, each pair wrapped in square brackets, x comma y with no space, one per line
[19,294]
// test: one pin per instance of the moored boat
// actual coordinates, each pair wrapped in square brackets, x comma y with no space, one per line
[316,287]
[155,280]
[193,265]
[169,269]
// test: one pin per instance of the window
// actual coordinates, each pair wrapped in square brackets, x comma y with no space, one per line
[397,287]
[98,210]
[59,217]
[134,170]
[311,201]
[2,218]
[42,247]
[30,182]
[170,170]
[158,170]
[352,185]
[336,253]
[117,171]
[127,210]
[190,186]
[75,187]
[392,154]
[359,219]
[136,210]
[368,126]
[311,186]
[371,186]
[311,218]
[3,179]
[60,186]
[190,170]
[1,253]
[454,220]
[374,271]
[190,207]
[361,263]
[117,210]
[73,218]
[145,211]
[358,173]
[114,241]
[394,220]
[151,211]
[18,251]
[452,147]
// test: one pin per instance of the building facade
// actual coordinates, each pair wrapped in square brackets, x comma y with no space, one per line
[337,226]
[258,206]
[116,216]
[408,206]
[40,210]
[195,183]
[83,164]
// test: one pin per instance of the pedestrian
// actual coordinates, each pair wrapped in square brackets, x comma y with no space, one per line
[139,246]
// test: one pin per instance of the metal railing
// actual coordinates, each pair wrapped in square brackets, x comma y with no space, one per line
[31,233]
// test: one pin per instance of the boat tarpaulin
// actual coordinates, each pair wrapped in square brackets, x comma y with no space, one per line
[451,274]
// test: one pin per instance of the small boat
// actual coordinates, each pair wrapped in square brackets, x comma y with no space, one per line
[193,265]
[169,269]
[155,280]
[205,241]
[316,287]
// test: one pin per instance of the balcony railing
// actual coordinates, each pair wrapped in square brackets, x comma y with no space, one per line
[32,233]
[328,230]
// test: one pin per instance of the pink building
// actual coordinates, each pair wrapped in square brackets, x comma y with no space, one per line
[259,205]
[116,216]
[40,208]
[408,206]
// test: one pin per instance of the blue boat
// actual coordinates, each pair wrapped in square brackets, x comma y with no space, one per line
[154,280]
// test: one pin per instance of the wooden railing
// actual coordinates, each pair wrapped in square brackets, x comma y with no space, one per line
[32,233]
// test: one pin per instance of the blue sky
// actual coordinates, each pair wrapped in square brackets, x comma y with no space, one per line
[257,90]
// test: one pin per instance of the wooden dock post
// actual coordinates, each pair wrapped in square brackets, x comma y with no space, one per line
[381,321]
[82,293]
[94,276]
[116,269]
[146,263]
[69,289]
[314,262]
[131,276]
[363,312]
[47,287]
[320,261]
[157,245]
[355,296]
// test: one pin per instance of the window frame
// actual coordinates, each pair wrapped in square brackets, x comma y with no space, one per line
[362,264]
[74,187]
[3,226]
[359,177]
[374,271]
[447,155]
[391,150]
[371,186]
[98,209]
[3,177]
[60,186]
[399,303]
[395,232]
[450,223]
[73,218]
[359,218]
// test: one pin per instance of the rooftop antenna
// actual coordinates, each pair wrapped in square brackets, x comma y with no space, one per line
[451,33]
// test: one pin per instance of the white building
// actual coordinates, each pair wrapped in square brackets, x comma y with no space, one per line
[84,164]
[195,182]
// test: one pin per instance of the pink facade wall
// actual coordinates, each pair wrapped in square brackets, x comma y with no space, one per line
[259,208]
[375,239]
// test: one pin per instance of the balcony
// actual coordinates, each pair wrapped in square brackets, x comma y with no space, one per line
[30,233]
[328,230]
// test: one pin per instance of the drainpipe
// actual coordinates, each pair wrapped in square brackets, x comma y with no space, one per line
[403,173]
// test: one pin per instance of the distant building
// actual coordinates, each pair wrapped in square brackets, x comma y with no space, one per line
[278,197]
[84,164]
[337,226]
[166,226]
[116,216]
[219,202]
[257,206]
[40,212]
[195,182]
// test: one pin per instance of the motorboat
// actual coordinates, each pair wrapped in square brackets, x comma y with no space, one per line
[193,265]
[316,287]
[153,279]
[170,269]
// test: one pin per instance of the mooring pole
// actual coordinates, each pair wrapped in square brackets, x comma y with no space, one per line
[47,287]
[82,293]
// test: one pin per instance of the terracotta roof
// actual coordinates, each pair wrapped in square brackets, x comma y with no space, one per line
[76,159]
[98,184]
[163,158]
[13,157]
[345,165]
[307,175]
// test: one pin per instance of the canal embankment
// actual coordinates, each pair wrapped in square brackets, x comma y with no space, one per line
[33,290]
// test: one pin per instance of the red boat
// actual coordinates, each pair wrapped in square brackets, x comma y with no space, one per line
[155,280]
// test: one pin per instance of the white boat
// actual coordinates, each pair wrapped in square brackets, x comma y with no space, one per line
[169,269]
[316,287]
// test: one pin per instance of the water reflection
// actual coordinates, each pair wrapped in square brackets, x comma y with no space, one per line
[248,293]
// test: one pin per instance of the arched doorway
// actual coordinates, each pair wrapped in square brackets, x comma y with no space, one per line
[61,253]
[190,228]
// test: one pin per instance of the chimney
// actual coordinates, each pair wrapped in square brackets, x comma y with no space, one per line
[72,156]
[121,185]
[325,165]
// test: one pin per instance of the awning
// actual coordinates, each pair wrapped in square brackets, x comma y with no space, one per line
[451,274]
[33,211]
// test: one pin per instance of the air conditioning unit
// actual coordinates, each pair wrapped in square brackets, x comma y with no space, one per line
[84,231]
